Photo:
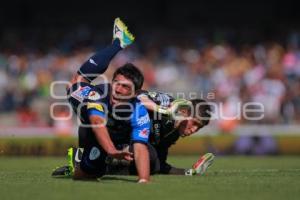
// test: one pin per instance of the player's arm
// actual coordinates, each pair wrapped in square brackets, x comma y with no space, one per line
[142,161]
[140,135]
[97,120]
[152,106]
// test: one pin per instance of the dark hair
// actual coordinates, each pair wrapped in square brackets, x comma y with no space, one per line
[202,111]
[132,73]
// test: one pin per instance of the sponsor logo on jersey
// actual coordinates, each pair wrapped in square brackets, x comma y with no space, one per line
[94,153]
[96,106]
[81,93]
[143,120]
[144,133]
[93,95]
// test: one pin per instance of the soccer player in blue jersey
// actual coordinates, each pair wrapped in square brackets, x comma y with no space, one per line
[93,105]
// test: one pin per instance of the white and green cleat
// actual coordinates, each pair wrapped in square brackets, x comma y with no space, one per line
[62,172]
[71,162]
[203,163]
[73,157]
[121,32]
[66,170]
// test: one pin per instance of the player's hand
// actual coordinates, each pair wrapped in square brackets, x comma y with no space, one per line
[177,104]
[172,111]
[122,155]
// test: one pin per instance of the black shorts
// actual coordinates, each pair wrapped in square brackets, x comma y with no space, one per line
[93,160]
[93,157]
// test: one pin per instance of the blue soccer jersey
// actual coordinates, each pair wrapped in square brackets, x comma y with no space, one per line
[140,123]
[87,100]
[132,126]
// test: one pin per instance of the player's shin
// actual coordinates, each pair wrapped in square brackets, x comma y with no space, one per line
[98,63]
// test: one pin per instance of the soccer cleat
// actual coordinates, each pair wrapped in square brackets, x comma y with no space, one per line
[62,172]
[67,170]
[74,158]
[71,160]
[203,163]
[190,172]
[121,32]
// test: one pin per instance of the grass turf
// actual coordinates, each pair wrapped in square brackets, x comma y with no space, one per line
[229,178]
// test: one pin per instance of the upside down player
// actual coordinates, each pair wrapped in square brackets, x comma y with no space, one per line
[92,107]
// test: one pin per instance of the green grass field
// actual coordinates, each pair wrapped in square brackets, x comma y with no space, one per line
[229,178]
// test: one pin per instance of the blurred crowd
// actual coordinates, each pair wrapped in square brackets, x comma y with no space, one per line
[221,72]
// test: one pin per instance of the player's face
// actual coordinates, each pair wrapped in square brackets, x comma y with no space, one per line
[189,126]
[122,89]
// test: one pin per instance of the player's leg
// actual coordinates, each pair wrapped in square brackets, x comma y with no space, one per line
[98,63]
[74,157]
[92,164]
[75,97]
[199,168]
[154,161]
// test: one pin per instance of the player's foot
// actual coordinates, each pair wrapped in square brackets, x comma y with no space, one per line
[74,158]
[68,170]
[203,163]
[121,32]
[62,172]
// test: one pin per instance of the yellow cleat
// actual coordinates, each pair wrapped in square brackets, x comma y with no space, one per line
[121,32]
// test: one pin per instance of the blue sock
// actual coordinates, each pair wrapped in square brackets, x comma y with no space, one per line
[99,62]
